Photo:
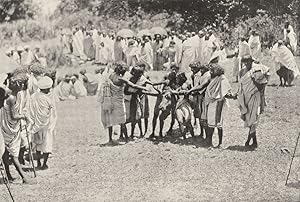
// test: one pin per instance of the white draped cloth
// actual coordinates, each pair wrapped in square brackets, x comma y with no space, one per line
[255,46]
[78,44]
[189,53]
[147,55]
[208,47]
[79,89]
[282,55]
[43,114]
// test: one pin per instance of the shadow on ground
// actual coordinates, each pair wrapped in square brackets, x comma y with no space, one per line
[240,148]
[176,138]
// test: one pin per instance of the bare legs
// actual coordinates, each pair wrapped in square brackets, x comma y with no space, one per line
[16,164]
[251,136]
[139,122]
[45,157]
[209,134]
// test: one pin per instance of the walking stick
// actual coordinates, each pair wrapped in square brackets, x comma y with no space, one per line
[6,182]
[292,160]
[30,153]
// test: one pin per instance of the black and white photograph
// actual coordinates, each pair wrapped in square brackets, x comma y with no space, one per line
[149,100]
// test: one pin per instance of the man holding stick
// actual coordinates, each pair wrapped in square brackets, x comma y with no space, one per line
[43,115]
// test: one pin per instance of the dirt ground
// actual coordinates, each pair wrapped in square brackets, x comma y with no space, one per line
[84,168]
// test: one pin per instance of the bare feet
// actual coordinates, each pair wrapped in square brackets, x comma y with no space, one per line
[44,167]
[26,181]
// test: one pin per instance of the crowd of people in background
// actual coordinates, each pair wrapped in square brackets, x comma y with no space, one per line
[194,87]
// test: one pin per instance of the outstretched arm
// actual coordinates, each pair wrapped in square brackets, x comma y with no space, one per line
[129,83]
[165,82]
[198,87]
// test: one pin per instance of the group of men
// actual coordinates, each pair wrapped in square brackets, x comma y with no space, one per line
[156,50]
[201,97]
[28,117]
[283,54]
[26,55]
[194,87]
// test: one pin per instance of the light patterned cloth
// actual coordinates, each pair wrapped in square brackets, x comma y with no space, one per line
[215,100]
[112,104]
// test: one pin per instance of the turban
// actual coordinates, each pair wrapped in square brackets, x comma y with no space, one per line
[45,83]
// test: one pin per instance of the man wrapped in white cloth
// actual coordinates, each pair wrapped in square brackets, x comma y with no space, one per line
[285,63]
[43,114]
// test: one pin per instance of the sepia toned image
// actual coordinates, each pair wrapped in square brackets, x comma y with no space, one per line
[149,100]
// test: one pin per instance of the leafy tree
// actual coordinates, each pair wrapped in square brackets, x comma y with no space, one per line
[16,9]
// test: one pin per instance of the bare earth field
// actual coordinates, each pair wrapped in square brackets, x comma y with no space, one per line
[83,168]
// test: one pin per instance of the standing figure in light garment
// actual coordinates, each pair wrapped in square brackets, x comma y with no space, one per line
[215,98]
[251,97]
[290,37]
[201,43]
[43,114]
[146,54]
[169,53]
[132,53]
[158,59]
[255,45]
[189,53]
[119,47]
[11,127]
[111,98]
[103,54]
[244,51]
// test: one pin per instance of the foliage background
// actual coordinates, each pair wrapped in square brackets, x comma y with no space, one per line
[21,21]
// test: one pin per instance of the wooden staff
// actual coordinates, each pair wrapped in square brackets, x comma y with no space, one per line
[6,181]
[30,151]
[292,160]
